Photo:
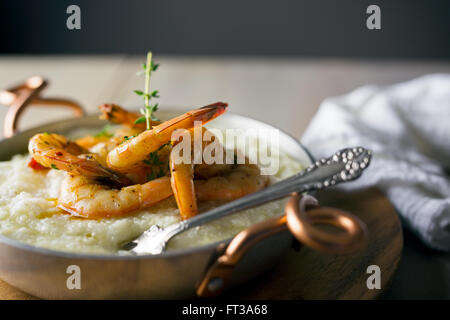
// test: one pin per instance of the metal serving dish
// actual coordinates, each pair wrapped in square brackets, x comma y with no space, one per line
[170,275]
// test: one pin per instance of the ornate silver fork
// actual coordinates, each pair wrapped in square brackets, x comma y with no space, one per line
[345,165]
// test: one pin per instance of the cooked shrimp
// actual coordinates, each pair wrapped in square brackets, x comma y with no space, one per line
[138,148]
[102,147]
[56,151]
[87,142]
[154,166]
[182,177]
[240,181]
[116,114]
[192,183]
[82,196]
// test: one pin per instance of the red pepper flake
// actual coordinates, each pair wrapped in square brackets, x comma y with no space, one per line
[33,164]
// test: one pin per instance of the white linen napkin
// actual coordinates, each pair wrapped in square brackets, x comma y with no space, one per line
[407,126]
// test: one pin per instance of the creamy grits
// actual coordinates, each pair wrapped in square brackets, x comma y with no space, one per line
[28,213]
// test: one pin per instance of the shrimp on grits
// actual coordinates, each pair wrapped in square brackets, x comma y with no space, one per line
[124,178]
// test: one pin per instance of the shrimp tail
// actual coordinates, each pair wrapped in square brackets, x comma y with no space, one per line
[117,114]
[214,110]
[87,165]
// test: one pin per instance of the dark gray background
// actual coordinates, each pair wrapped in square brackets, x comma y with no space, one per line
[410,28]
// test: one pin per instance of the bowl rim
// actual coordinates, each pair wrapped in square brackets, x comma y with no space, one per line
[166,254]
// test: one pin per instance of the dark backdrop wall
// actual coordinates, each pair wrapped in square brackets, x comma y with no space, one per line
[410,28]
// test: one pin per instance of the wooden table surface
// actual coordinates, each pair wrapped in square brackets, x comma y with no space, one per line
[283,92]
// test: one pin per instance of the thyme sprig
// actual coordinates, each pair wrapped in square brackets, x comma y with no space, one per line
[148,109]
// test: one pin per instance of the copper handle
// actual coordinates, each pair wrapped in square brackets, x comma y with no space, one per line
[20,97]
[303,214]
[303,225]
[219,274]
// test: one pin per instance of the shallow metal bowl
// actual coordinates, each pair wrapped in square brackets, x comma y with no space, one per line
[173,274]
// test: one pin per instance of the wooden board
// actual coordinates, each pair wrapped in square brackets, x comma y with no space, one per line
[308,274]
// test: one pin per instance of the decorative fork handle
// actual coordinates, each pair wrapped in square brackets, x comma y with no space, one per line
[345,165]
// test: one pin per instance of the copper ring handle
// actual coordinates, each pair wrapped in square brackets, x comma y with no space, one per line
[302,216]
[20,97]
[303,225]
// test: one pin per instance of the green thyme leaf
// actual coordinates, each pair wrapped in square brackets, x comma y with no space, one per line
[155,66]
[139,120]
[155,175]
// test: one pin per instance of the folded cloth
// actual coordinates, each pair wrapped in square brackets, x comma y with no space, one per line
[407,126]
